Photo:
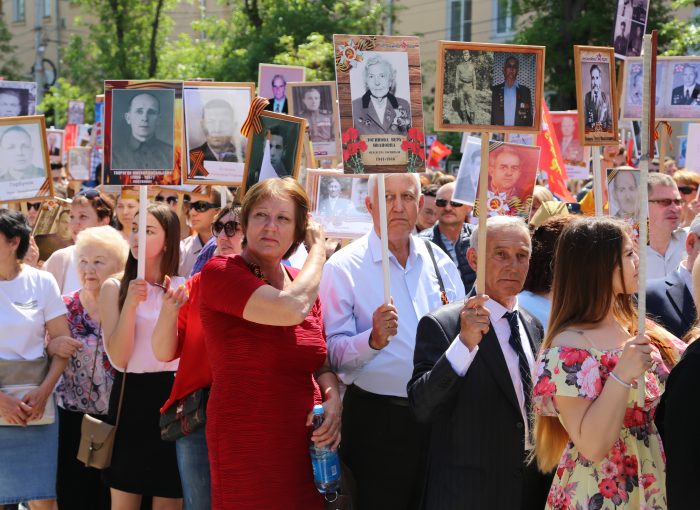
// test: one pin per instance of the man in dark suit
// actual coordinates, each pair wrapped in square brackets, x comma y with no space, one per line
[511,103]
[670,299]
[472,383]
[620,43]
[598,116]
[688,92]
[278,103]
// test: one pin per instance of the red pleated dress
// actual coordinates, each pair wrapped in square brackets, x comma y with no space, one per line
[262,391]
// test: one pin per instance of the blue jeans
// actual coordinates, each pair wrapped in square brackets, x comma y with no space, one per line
[193,463]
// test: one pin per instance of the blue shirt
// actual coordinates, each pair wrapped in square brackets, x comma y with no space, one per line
[509,103]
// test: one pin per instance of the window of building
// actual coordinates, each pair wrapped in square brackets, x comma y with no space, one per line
[460,22]
[505,16]
[18,10]
[47,8]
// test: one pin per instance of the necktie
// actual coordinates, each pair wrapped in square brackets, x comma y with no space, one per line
[278,108]
[516,344]
[687,95]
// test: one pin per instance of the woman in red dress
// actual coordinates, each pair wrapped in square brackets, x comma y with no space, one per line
[267,350]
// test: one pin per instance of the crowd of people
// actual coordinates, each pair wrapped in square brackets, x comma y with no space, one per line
[538,393]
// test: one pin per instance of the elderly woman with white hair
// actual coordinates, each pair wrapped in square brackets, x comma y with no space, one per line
[87,380]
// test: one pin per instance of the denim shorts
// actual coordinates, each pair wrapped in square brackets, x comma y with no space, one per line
[29,458]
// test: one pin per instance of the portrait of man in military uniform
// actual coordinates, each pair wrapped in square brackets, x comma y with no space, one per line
[142,130]
[511,102]
[379,111]
[318,115]
[465,78]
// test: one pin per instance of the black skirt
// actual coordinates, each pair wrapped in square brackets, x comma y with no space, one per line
[142,463]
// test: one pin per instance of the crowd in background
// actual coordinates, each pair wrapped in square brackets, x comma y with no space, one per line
[526,396]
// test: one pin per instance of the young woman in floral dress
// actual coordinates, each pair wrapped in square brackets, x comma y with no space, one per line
[592,423]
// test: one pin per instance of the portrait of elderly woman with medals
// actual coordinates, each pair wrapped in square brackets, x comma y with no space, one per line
[379,111]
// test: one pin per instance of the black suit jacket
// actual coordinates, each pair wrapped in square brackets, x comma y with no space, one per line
[477,452]
[461,246]
[678,95]
[271,105]
[523,106]
[670,303]
[676,417]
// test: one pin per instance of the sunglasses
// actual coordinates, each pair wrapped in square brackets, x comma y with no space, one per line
[170,200]
[442,202]
[90,193]
[229,228]
[665,202]
[687,190]
[36,206]
[201,206]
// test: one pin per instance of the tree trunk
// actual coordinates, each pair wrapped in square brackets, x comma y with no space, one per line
[153,51]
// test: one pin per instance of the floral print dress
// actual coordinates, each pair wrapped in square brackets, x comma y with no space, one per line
[632,474]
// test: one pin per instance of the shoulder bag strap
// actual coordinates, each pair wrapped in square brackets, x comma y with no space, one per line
[443,294]
[94,364]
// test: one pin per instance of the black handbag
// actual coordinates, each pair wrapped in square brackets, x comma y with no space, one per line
[184,416]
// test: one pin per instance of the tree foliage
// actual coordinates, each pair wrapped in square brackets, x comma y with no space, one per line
[9,66]
[683,36]
[560,24]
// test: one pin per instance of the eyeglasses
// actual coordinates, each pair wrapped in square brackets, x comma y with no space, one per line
[665,202]
[170,200]
[230,228]
[36,206]
[442,202]
[89,193]
[200,206]
[687,190]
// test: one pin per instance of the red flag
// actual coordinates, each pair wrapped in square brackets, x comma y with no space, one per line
[551,160]
[438,151]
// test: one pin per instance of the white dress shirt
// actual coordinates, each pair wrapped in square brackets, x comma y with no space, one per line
[352,289]
[189,249]
[659,266]
[460,358]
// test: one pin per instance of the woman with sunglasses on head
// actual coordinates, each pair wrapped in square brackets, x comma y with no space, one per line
[266,346]
[591,423]
[201,215]
[89,208]
[179,334]
[688,183]
[142,463]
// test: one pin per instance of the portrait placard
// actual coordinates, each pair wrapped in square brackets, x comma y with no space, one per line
[489,87]
[143,132]
[272,84]
[629,27]
[623,196]
[316,102]
[52,227]
[54,142]
[380,102]
[468,174]
[214,114]
[338,203]
[76,112]
[692,152]
[576,156]
[99,127]
[595,95]
[79,164]
[512,171]
[677,89]
[17,98]
[276,150]
[25,172]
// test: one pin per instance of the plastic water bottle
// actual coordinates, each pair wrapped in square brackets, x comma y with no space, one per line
[324,461]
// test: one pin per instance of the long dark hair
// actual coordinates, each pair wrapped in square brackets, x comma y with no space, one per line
[170,259]
[584,295]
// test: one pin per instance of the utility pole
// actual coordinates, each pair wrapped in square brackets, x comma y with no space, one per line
[390,17]
[39,46]
[202,13]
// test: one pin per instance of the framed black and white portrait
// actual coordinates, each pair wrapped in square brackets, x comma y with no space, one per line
[54,142]
[214,114]
[79,163]
[24,160]
[276,150]
[17,98]
[595,94]
[316,102]
[76,112]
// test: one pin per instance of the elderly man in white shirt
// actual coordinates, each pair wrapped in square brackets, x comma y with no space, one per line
[370,344]
[666,246]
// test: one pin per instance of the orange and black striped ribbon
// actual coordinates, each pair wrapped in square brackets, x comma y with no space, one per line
[253,121]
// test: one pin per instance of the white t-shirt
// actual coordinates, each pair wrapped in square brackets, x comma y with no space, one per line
[27,303]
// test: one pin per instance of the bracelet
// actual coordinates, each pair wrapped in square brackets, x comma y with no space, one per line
[616,378]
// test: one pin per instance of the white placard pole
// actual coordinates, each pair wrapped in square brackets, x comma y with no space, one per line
[483,213]
[384,237]
[597,182]
[222,192]
[143,204]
